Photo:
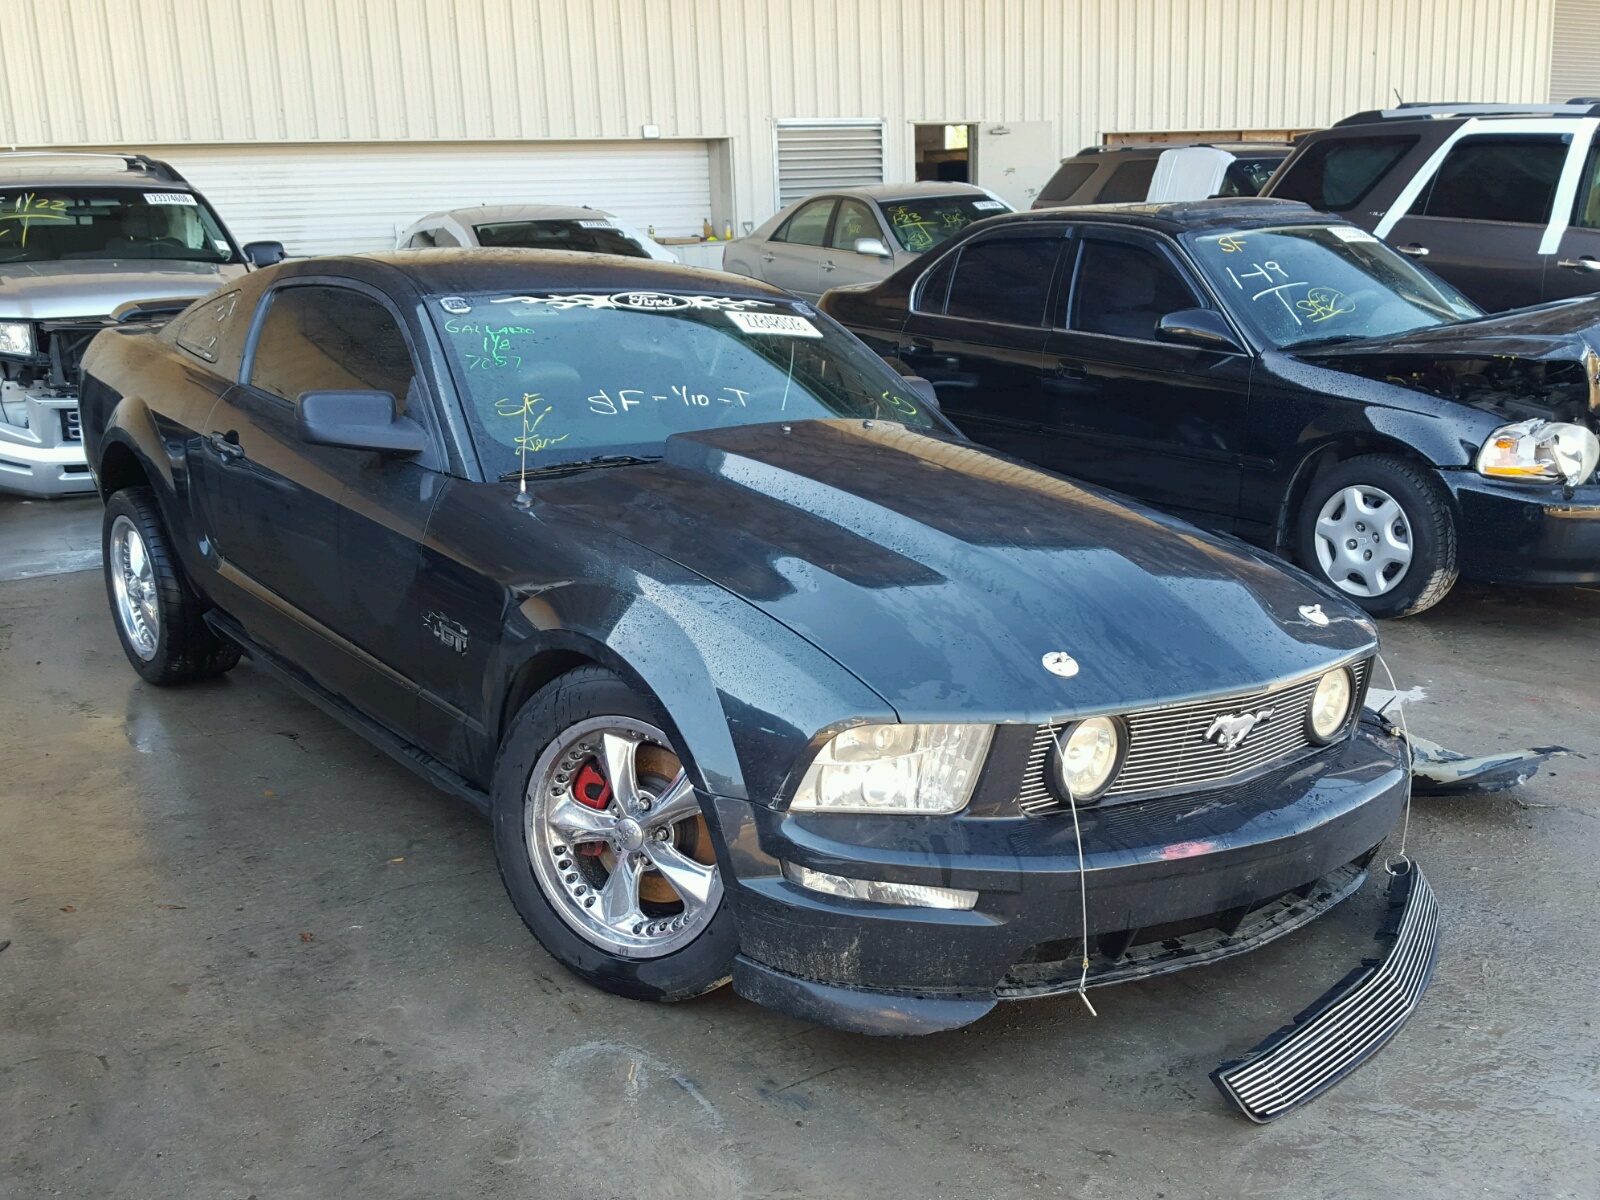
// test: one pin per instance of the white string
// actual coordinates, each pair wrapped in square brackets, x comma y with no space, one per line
[1400,707]
[1083,883]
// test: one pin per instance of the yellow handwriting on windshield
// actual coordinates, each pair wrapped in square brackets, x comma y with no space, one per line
[1231,244]
[532,409]
[1322,302]
[28,210]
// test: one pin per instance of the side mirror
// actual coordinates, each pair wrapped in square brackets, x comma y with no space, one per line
[1200,327]
[924,389]
[872,247]
[357,421]
[263,254]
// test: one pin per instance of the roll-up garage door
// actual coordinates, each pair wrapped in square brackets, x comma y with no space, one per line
[819,156]
[340,200]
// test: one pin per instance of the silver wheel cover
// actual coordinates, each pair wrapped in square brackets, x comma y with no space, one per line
[640,830]
[133,583]
[1363,540]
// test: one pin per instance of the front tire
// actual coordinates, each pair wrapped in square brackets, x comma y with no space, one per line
[602,845]
[1380,529]
[158,615]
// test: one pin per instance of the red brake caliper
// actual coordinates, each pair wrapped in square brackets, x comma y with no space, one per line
[589,788]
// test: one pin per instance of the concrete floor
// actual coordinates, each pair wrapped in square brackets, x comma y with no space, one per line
[251,957]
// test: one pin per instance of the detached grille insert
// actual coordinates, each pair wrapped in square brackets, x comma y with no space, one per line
[1168,750]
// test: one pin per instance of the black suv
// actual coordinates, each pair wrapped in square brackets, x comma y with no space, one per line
[1504,202]
[1161,171]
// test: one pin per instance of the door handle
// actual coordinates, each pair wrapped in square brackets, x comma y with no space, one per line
[226,445]
[1415,250]
[1070,373]
[769,258]
[827,266]
[1586,263]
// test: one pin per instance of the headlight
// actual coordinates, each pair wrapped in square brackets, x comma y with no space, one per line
[1330,706]
[1540,450]
[1086,758]
[926,769]
[16,337]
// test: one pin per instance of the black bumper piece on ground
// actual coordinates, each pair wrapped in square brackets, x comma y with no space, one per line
[1352,1022]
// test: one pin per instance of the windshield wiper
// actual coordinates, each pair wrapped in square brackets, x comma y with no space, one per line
[1335,340]
[581,464]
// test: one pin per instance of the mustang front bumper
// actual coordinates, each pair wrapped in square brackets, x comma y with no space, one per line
[1524,533]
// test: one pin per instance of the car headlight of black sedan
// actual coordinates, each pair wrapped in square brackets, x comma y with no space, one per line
[1540,452]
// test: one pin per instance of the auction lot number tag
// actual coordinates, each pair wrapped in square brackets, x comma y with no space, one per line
[781,324]
[169,198]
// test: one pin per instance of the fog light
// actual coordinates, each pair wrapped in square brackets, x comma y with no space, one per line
[1331,704]
[914,895]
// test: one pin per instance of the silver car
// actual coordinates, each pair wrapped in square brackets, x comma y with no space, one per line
[86,239]
[533,227]
[856,235]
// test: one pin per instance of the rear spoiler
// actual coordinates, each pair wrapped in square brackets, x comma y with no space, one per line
[156,312]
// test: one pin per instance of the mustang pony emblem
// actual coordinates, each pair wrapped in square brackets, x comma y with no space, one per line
[1228,731]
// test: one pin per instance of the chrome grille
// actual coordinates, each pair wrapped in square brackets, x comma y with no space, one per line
[71,426]
[1167,747]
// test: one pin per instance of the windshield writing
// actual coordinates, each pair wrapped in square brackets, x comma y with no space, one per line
[1310,283]
[53,224]
[922,224]
[568,376]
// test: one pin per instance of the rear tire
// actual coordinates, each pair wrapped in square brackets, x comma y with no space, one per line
[619,881]
[1380,529]
[158,615]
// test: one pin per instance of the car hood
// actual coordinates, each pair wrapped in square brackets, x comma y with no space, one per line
[1530,362]
[941,574]
[84,287]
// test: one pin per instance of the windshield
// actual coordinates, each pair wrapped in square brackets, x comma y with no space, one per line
[923,223]
[1310,283]
[50,224]
[556,378]
[592,237]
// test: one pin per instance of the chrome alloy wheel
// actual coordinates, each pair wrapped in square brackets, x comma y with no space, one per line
[617,840]
[1363,540]
[133,582]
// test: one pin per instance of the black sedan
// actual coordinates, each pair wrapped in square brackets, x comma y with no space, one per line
[1269,371]
[759,668]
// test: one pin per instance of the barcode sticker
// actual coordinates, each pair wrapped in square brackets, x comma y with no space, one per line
[596,225]
[780,324]
[987,205]
[169,198]
[1349,233]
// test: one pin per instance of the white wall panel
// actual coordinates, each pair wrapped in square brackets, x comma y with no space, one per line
[174,72]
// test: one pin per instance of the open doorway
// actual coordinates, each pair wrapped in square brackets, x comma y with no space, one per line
[944,153]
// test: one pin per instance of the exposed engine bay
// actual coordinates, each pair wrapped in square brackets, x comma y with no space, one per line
[1514,387]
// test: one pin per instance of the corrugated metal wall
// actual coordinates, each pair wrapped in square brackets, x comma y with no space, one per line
[107,72]
[1575,50]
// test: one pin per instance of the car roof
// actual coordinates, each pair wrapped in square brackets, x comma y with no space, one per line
[1180,216]
[1155,149]
[471,269]
[906,191]
[489,213]
[92,170]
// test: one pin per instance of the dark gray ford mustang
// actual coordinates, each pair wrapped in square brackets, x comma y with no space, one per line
[760,669]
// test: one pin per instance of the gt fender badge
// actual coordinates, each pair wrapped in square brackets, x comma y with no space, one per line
[1314,614]
[452,634]
[1059,662]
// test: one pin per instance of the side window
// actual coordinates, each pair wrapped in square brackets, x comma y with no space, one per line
[1123,290]
[443,237]
[421,240]
[1130,181]
[936,285]
[1336,174]
[1586,205]
[203,333]
[1005,279]
[317,337]
[807,227]
[1069,177]
[855,220]
[1490,178]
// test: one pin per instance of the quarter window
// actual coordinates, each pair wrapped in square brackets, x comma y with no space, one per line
[1123,290]
[1069,177]
[1586,206]
[1004,279]
[319,338]
[808,227]
[1511,179]
[936,285]
[1336,174]
[201,333]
